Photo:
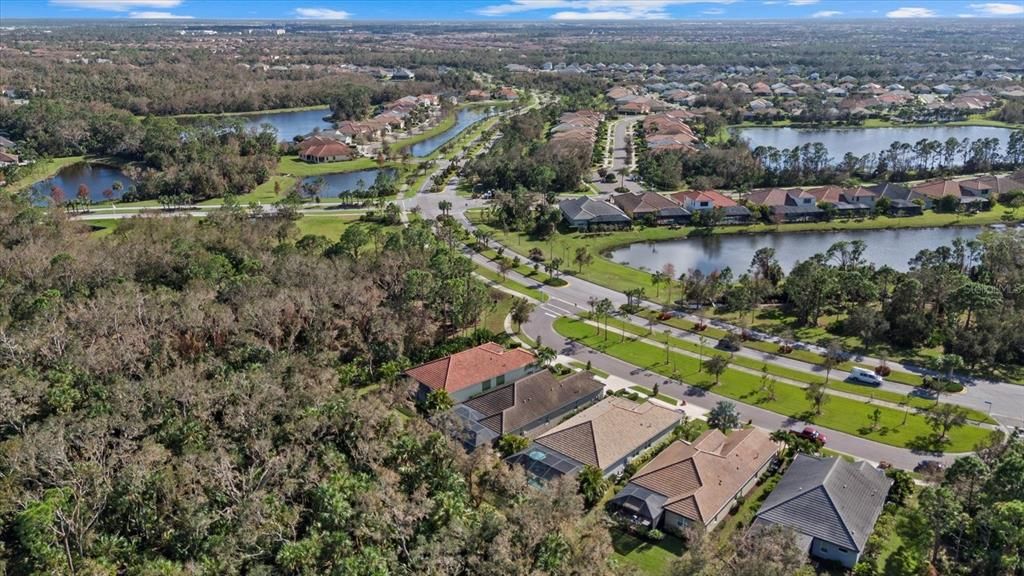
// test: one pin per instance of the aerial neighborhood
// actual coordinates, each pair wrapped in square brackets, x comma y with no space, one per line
[510,287]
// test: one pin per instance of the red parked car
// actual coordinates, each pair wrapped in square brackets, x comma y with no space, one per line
[813,435]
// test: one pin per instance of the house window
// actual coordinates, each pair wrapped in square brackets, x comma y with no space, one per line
[501,380]
[487,385]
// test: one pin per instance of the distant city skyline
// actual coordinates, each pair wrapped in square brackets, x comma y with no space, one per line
[506,10]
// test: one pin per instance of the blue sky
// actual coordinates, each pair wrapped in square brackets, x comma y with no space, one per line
[498,10]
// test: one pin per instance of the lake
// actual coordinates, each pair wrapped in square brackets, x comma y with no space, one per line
[894,248]
[289,124]
[464,117]
[862,141]
[335,184]
[96,177]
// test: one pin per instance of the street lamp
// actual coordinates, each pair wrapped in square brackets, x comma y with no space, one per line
[989,407]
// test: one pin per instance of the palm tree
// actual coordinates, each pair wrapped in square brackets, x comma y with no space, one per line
[656,280]
[444,206]
[622,172]
[545,356]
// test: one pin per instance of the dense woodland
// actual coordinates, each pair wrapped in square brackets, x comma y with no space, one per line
[216,397]
[523,159]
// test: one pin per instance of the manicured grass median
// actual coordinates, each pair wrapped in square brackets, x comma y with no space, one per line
[511,284]
[776,370]
[838,413]
[292,165]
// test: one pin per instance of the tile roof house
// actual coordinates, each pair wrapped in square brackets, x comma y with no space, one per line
[787,205]
[901,199]
[583,212]
[696,484]
[986,185]
[470,372]
[831,503]
[650,205]
[700,200]
[526,408]
[324,149]
[935,189]
[605,436]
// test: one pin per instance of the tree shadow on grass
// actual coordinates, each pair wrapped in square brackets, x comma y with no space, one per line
[927,444]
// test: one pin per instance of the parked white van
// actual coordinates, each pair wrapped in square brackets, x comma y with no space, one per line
[866,376]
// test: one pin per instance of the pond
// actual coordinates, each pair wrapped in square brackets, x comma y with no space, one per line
[96,177]
[862,141]
[893,248]
[289,124]
[335,184]
[464,117]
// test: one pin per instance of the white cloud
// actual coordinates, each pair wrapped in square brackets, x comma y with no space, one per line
[116,5]
[771,2]
[826,14]
[321,14]
[802,2]
[911,12]
[713,11]
[594,9]
[966,16]
[150,15]
[999,8]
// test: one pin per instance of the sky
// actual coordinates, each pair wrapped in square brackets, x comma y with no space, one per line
[498,10]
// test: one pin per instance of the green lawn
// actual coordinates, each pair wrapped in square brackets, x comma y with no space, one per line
[329,226]
[493,317]
[843,414]
[41,170]
[648,557]
[740,520]
[511,284]
[102,228]
[867,392]
[446,123]
[264,193]
[292,165]
[649,393]
[583,366]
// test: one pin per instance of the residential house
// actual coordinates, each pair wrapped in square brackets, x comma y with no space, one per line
[584,212]
[702,200]
[402,74]
[606,435]
[695,485]
[787,205]
[651,206]
[471,372]
[900,198]
[506,93]
[8,158]
[477,95]
[985,186]
[935,189]
[527,407]
[319,149]
[831,503]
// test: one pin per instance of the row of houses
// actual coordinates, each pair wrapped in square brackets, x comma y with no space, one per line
[503,93]
[576,128]
[669,131]
[782,204]
[340,142]
[830,503]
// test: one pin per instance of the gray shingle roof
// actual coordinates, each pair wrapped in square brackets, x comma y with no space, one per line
[507,410]
[592,210]
[828,498]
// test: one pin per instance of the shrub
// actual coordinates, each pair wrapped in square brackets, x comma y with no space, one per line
[883,371]
[655,535]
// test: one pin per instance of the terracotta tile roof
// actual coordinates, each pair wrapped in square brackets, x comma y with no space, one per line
[327,149]
[469,367]
[700,479]
[717,199]
[606,432]
[938,188]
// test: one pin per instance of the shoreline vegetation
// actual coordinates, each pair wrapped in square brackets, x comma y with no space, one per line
[976,120]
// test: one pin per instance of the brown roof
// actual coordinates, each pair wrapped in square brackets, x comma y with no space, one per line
[326,149]
[643,202]
[700,479]
[716,198]
[469,367]
[608,431]
[997,184]
[938,188]
[510,408]
[768,196]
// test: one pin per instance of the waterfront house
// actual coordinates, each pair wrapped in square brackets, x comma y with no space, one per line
[317,149]
[651,206]
[585,212]
[703,200]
